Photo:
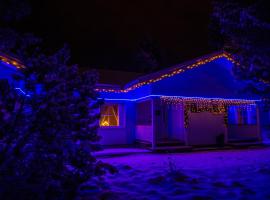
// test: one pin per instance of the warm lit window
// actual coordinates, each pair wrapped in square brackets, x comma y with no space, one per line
[109,115]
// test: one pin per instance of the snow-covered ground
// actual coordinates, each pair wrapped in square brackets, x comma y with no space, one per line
[229,174]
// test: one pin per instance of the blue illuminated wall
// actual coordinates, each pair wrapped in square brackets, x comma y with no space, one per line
[7,71]
[124,133]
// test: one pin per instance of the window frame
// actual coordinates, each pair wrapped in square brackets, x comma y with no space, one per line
[120,116]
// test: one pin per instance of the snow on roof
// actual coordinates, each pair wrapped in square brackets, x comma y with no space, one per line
[169,72]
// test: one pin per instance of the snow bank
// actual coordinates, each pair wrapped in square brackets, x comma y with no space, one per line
[230,174]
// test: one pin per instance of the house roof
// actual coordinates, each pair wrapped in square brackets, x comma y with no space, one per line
[115,81]
[113,77]
[166,73]
[11,61]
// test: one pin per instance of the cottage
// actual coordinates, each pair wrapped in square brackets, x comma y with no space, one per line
[197,103]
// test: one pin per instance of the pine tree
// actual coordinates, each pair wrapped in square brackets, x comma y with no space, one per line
[47,134]
[148,58]
[242,28]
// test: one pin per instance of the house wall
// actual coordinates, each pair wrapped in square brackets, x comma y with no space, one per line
[7,72]
[265,125]
[144,133]
[124,134]
[113,136]
[242,132]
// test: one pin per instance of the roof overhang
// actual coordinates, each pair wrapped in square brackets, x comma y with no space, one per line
[8,60]
[169,72]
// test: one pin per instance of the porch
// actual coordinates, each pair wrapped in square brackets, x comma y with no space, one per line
[180,123]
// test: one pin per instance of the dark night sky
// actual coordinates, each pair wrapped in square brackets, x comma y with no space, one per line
[106,33]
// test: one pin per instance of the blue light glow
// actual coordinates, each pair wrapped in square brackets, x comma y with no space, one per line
[23,92]
[184,97]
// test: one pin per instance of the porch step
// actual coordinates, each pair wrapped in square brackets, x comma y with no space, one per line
[116,152]
[164,143]
[143,144]
[168,149]
[168,143]
[241,140]
[245,144]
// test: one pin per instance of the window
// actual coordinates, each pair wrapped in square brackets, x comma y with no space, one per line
[242,115]
[144,113]
[109,115]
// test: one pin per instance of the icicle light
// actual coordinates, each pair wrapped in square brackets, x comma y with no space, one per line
[215,106]
[206,101]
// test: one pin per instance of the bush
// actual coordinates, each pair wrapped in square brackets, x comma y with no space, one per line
[49,134]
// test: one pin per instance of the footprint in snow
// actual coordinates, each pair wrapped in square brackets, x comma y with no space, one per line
[220,184]
[157,180]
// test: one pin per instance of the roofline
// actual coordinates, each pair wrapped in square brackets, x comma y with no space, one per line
[166,97]
[146,79]
[169,72]
[11,61]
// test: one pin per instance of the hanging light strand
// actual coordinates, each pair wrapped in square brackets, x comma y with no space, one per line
[215,106]
[11,61]
[206,102]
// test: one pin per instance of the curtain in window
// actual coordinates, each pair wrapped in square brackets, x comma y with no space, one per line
[244,114]
[109,115]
